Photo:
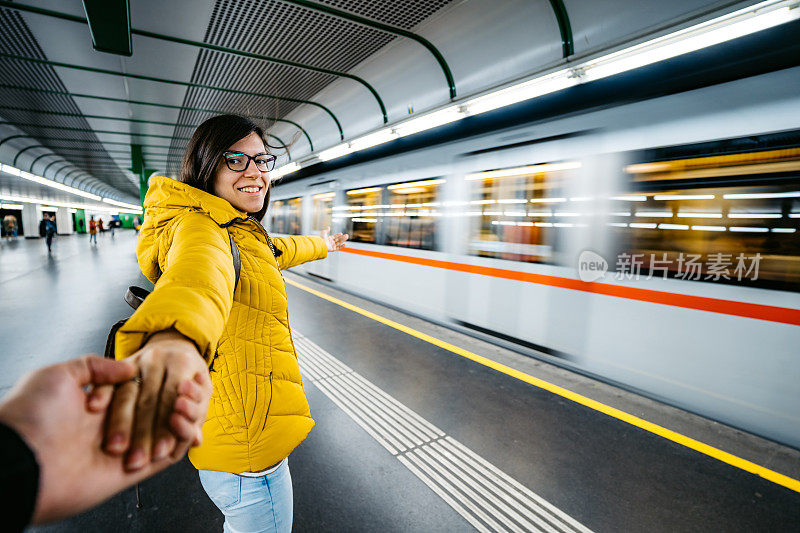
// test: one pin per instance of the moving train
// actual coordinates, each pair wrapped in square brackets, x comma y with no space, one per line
[654,244]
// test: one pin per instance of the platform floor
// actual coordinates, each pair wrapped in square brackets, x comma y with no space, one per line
[409,435]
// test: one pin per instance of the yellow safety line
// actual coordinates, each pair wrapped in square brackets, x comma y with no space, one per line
[716,453]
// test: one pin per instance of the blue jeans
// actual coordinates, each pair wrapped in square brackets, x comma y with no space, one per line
[252,505]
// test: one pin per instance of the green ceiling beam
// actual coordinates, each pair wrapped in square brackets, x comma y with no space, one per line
[451,83]
[156,104]
[175,124]
[16,157]
[12,137]
[81,151]
[110,25]
[89,141]
[86,130]
[30,168]
[174,82]
[564,27]
[48,165]
[208,46]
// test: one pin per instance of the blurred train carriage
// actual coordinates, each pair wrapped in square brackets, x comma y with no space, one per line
[699,236]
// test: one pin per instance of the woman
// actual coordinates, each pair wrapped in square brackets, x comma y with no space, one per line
[258,413]
[92,230]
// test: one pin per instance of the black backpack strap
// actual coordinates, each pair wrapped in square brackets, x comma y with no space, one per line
[237,260]
[135,296]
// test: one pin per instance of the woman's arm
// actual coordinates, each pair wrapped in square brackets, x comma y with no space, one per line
[180,321]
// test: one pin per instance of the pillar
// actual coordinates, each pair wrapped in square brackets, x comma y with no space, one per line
[31,215]
[63,221]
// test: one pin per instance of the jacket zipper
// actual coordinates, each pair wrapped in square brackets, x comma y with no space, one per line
[266,415]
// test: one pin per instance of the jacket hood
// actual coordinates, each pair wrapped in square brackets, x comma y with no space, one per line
[166,199]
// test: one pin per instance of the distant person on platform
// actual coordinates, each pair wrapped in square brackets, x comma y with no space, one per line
[137,225]
[51,433]
[47,229]
[81,225]
[100,225]
[92,230]
[10,224]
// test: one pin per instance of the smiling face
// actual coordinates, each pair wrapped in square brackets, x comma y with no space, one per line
[247,189]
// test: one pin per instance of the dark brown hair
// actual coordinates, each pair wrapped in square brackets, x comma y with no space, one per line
[204,152]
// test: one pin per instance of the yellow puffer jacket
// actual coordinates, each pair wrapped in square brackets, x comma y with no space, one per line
[258,412]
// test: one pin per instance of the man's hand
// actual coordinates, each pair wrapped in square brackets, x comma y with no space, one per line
[63,425]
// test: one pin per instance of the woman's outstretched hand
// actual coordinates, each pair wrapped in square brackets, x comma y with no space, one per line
[141,419]
[334,242]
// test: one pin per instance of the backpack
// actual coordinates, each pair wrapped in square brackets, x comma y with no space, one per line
[134,296]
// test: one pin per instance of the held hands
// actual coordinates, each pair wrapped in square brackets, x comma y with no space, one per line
[161,414]
[63,425]
[333,242]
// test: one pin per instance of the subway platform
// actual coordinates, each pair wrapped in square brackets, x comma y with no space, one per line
[419,428]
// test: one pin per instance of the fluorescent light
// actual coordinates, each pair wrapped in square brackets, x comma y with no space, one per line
[57,204]
[725,28]
[121,204]
[522,91]
[365,220]
[620,214]
[543,224]
[563,225]
[684,197]
[513,201]
[700,215]
[8,169]
[748,230]
[514,213]
[762,195]
[423,183]
[48,183]
[754,215]
[672,226]
[355,192]
[285,169]
[618,224]
[547,200]
[630,198]
[783,230]
[337,151]
[540,214]
[373,139]
[643,225]
[324,196]
[709,228]
[482,202]
[431,120]
[654,214]
[11,206]
[522,171]
[794,215]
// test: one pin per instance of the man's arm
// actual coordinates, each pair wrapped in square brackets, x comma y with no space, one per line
[55,428]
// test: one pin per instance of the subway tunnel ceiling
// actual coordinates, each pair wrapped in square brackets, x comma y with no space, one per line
[336,69]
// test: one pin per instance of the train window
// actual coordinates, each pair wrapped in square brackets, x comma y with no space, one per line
[322,210]
[286,216]
[517,212]
[410,217]
[361,213]
[694,219]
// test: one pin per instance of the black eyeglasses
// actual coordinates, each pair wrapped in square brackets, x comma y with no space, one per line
[238,162]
